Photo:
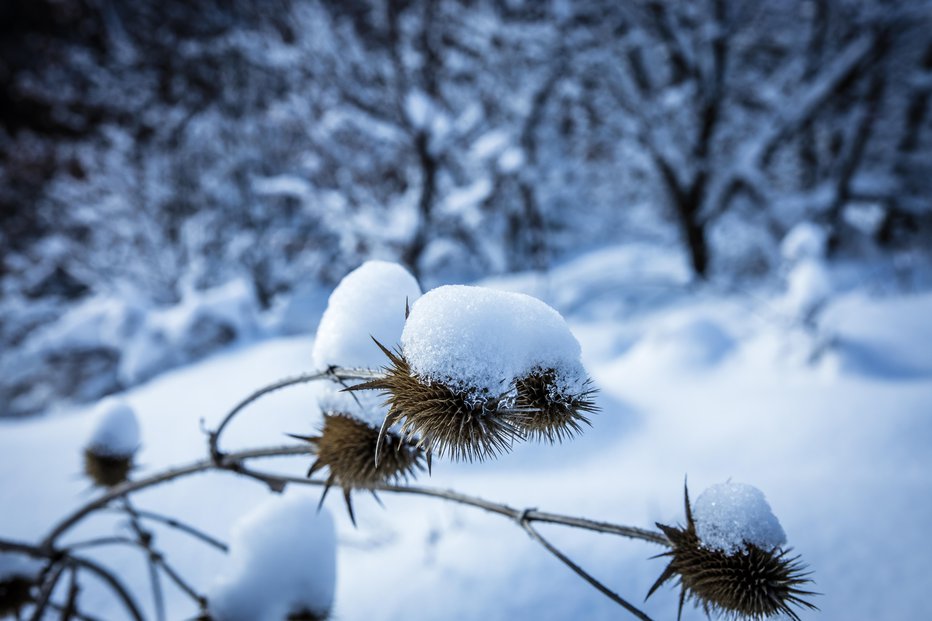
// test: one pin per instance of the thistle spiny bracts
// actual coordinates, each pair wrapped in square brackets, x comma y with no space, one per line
[440,419]
[750,584]
[551,414]
[347,447]
[107,470]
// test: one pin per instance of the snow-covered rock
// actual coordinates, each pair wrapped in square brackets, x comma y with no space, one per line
[282,562]
[116,430]
[729,516]
[479,340]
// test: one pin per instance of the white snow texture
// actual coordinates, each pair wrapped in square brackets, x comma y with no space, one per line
[480,340]
[282,561]
[116,431]
[729,516]
[369,302]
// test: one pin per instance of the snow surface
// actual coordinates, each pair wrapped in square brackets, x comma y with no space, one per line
[116,433]
[730,516]
[282,561]
[368,303]
[479,340]
[840,446]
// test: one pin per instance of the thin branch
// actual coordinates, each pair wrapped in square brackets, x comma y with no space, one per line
[182,527]
[144,538]
[80,562]
[45,595]
[526,525]
[333,373]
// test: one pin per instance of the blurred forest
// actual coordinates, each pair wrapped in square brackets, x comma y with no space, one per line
[218,158]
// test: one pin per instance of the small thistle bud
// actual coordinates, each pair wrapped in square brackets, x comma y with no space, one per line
[730,560]
[108,457]
[478,368]
[347,445]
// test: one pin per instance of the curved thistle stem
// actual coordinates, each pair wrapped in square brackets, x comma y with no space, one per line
[79,562]
[536,536]
[336,374]
[145,541]
[183,527]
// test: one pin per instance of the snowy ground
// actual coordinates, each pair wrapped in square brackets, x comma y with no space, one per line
[692,384]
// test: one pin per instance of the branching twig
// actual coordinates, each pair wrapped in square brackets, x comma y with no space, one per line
[144,538]
[182,527]
[526,525]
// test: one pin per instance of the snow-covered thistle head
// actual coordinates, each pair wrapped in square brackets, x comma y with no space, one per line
[108,456]
[478,368]
[730,557]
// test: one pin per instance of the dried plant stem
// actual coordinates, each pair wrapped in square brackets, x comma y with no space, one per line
[79,562]
[45,595]
[336,374]
[182,527]
[536,536]
[144,538]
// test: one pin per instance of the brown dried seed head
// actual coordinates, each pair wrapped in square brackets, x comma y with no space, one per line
[750,584]
[442,420]
[107,470]
[346,445]
[15,593]
[549,413]
[306,615]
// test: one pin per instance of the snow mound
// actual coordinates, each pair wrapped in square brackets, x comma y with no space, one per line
[690,343]
[479,340]
[730,516]
[15,565]
[369,302]
[116,432]
[282,562]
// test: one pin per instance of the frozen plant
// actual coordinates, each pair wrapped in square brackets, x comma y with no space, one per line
[472,371]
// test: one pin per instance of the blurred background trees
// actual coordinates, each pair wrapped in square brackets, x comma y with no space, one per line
[153,150]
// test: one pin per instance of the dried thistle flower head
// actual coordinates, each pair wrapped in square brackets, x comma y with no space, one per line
[550,412]
[347,446]
[749,581]
[15,593]
[107,470]
[441,419]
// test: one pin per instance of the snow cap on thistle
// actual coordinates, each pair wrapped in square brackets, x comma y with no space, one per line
[479,367]
[730,557]
[282,564]
[369,303]
[114,440]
